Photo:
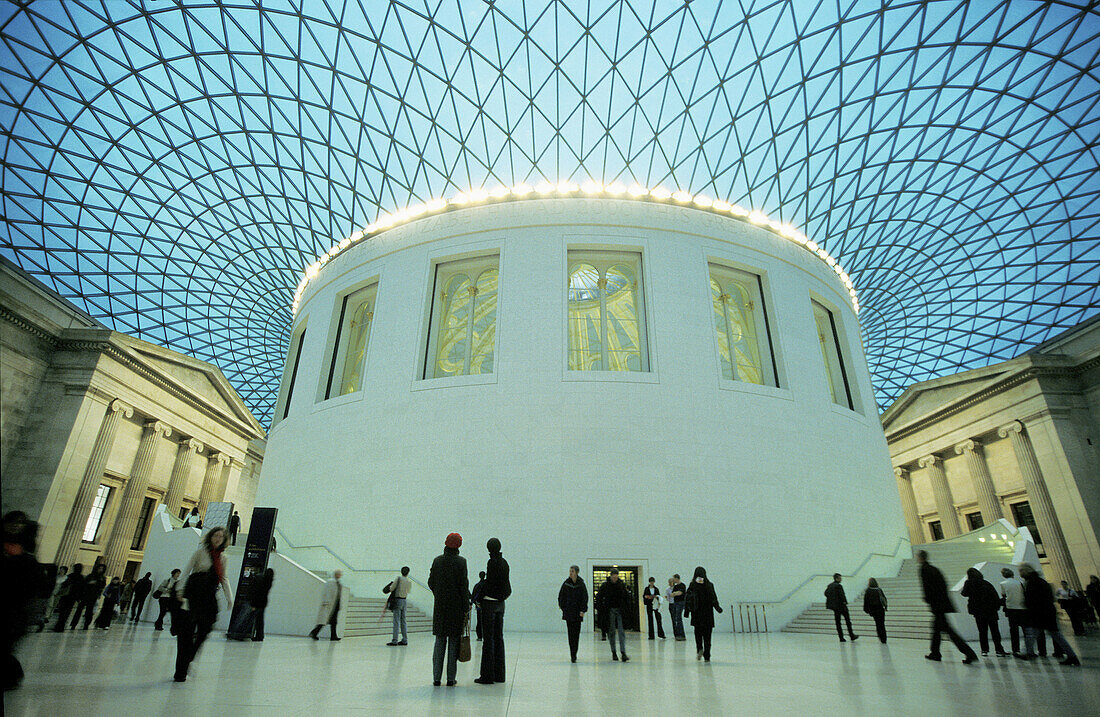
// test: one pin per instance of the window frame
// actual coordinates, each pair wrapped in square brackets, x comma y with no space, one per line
[102,506]
[843,356]
[337,354]
[144,522]
[935,527]
[290,371]
[768,343]
[474,267]
[602,258]
[970,520]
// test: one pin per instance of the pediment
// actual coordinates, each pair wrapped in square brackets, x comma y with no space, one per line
[927,396]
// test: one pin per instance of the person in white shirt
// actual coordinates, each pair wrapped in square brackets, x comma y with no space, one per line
[400,588]
[1012,597]
[652,597]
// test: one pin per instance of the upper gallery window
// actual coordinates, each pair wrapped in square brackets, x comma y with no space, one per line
[350,348]
[290,376]
[741,324]
[462,333]
[836,371]
[606,314]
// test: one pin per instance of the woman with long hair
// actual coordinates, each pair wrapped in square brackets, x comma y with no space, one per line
[701,604]
[204,574]
[874,604]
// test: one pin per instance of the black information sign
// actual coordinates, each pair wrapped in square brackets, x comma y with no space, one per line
[257,550]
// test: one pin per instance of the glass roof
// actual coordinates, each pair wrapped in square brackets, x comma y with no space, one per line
[173,167]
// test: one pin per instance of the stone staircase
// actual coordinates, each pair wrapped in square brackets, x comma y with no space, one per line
[364,617]
[907,616]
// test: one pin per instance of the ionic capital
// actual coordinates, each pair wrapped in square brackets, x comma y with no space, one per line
[967,446]
[1014,427]
[120,406]
[930,460]
[901,473]
[159,427]
[193,444]
[222,458]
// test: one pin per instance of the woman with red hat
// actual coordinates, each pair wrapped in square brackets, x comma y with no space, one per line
[450,585]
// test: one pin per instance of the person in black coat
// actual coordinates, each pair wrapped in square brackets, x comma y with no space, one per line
[89,596]
[573,601]
[68,594]
[494,592]
[613,599]
[837,601]
[1042,616]
[142,588]
[934,589]
[874,604]
[475,598]
[450,585]
[257,600]
[701,602]
[111,595]
[983,602]
[20,574]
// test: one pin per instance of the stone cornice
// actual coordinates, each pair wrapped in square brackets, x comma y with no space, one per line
[26,325]
[1027,373]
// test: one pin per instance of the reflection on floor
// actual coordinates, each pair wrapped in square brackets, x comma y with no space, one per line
[127,671]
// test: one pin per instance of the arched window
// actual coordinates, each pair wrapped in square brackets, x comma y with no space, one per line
[462,337]
[741,326]
[352,336]
[606,317]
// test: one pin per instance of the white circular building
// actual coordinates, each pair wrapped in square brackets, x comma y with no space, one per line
[595,381]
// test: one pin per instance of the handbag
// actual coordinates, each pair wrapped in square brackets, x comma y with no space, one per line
[391,601]
[465,652]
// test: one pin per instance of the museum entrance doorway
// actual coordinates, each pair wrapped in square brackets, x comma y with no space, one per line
[629,574]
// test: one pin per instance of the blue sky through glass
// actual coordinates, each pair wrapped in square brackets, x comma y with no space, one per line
[172,169]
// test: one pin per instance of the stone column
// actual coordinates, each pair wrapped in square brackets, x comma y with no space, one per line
[181,470]
[229,466]
[909,506]
[1050,530]
[983,484]
[209,492]
[945,504]
[89,484]
[122,535]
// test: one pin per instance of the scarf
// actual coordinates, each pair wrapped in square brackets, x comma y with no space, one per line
[219,566]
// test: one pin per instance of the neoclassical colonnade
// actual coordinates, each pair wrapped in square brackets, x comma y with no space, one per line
[156,436]
[1038,495]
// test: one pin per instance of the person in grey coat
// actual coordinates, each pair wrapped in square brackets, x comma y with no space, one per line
[450,584]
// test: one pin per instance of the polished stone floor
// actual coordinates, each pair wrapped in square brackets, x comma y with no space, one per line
[126,672]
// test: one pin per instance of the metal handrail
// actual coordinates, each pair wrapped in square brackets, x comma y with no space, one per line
[345,563]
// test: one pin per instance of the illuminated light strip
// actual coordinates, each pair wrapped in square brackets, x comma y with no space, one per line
[544,189]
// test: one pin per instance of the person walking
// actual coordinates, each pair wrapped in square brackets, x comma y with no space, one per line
[494,592]
[1092,592]
[934,591]
[573,603]
[168,595]
[652,597]
[700,604]
[837,601]
[89,596]
[141,592]
[450,585]
[111,596]
[329,611]
[1012,598]
[677,591]
[874,604]
[20,574]
[1042,617]
[126,599]
[257,599]
[234,526]
[68,594]
[202,577]
[475,600]
[55,595]
[400,588]
[984,604]
[193,520]
[612,599]
[1070,600]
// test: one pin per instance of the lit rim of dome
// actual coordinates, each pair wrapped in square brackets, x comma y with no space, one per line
[566,189]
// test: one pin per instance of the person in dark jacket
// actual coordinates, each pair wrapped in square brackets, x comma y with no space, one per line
[613,599]
[89,596]
[142,588]
[19,582]
[68,595]
[837,601]
[701,602]
[111,595]
[1042,616]
[934,589]
[573,601]
[450,584]
[1092,592]
[494,592]
[983,602]
[874,604]
[257,599]
[475,596]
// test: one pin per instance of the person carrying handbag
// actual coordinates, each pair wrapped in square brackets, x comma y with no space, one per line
[450,585]
[197,614]
[399,591]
